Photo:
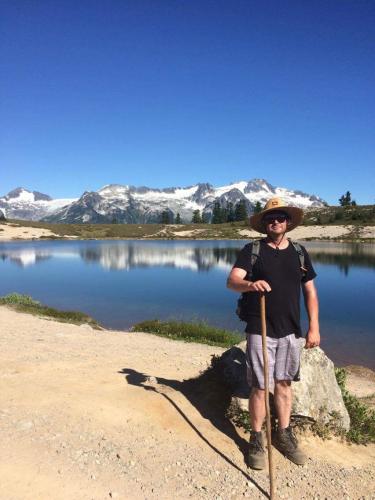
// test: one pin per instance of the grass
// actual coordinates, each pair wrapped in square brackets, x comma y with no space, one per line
[356,217]
[190,332]
[337,215]
[94,231]
[25,303]
[362,418]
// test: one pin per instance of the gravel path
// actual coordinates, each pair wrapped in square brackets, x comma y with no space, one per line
[100,414]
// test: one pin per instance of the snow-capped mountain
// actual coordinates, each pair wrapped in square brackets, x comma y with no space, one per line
[130,204]
[23,204]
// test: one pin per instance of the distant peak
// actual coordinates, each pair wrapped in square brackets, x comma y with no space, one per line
[255,184]
[41,196]
[113,187]
[21,192]
[16,192]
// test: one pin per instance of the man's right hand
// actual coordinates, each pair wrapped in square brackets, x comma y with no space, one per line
[236,282]
[259,286]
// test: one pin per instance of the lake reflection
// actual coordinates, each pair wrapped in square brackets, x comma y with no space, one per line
[122,282]
[125,256]
[343,255]
[196,256]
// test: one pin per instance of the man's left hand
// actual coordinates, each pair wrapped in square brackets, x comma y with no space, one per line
[312,339]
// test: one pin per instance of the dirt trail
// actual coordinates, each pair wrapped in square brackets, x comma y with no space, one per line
[101,414]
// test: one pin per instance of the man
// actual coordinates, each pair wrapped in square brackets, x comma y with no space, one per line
[277,272]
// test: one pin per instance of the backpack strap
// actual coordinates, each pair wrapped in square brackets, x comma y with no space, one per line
[301,255]
[255,249]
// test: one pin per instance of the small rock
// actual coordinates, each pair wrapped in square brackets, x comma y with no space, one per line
[151,380]
[25,425]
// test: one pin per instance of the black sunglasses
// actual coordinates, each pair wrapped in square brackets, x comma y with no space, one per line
[275,217]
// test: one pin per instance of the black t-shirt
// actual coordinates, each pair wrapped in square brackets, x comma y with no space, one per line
[281,270]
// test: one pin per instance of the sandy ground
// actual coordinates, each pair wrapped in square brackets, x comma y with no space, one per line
[102,414]
[324,232]
[10,232]
[361,382]
[192,232]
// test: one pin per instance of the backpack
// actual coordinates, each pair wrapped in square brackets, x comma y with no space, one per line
[255,249]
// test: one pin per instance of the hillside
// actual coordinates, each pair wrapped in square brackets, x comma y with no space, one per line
[354,223]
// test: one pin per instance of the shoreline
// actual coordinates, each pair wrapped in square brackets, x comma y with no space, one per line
[75,317]
[367,373]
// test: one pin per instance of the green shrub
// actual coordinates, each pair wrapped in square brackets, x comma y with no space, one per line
[25,303]
[191,332]
[362,418]
[17,298]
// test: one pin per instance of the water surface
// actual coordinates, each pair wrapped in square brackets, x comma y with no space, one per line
[122,282]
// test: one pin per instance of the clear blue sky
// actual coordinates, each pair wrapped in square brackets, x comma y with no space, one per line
[170,93]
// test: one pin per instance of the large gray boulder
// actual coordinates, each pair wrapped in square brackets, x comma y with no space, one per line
[316,397]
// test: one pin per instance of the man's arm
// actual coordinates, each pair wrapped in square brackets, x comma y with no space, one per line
[312,307]
[237,283]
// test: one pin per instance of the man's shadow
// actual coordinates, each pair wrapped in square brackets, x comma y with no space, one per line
[209,395]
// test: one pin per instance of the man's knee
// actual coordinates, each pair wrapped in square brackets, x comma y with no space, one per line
[257,393]
[283,387]
[283,383]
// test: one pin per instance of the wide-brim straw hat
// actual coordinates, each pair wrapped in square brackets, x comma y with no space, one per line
[295,215]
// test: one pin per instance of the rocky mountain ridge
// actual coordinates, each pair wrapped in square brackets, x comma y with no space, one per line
[23,204]
[132,204]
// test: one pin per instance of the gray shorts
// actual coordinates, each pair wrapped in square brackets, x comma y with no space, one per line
[283,359]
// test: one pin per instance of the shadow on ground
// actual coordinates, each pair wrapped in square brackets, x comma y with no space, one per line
[209,395]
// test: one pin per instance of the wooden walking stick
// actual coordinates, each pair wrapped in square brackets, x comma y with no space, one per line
[267,390]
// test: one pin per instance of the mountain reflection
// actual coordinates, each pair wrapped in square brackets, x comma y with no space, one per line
[343,255]
[195,256]
[24,258]
[138,255]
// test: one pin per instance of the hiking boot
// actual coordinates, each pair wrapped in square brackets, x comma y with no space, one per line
[287,444]
[256,451]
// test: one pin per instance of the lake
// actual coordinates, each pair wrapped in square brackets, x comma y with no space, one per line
[120,283]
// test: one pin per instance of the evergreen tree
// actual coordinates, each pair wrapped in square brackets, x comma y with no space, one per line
[258,207]
[224,214]
[216,214]
[165,219]
[240,212]
[346,199]
[178,218]
[205,218]
[230,212]
[196,219]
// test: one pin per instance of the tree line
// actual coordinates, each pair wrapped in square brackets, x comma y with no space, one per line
[220,214]
[346,200]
